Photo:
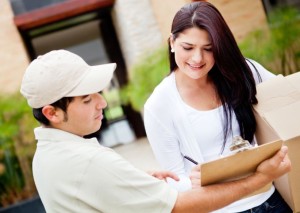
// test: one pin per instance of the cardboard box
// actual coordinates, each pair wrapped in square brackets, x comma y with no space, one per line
[278,118]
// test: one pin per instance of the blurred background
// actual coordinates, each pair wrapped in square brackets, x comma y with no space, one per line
[132,33]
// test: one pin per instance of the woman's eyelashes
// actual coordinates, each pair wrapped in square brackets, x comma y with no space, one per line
[208,49]
[187,47]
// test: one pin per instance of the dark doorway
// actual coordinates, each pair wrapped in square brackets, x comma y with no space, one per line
[89,33]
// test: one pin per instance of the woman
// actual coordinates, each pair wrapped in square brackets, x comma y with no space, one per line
[205,101]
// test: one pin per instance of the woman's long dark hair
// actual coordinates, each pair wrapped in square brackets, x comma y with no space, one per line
[231,74]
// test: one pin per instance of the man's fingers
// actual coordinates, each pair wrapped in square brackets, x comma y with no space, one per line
[197,168]
[283,151]
[280,156]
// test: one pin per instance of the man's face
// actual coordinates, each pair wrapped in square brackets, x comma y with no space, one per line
[84,114]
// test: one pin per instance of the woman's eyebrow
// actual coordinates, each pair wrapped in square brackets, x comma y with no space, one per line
[187,43]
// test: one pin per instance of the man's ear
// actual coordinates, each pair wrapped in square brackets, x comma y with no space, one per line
[52,114]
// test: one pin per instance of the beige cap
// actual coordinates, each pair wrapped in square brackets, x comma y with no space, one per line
[61,73]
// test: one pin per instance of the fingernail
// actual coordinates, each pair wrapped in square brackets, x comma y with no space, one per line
[284,149]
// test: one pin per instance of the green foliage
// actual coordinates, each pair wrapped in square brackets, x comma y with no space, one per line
[278,47]
[17,147]
[113,110]
[144,77]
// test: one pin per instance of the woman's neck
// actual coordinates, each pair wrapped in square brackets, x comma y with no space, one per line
[199,93]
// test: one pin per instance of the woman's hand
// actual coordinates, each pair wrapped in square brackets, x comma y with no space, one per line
[195,176]
[163,175]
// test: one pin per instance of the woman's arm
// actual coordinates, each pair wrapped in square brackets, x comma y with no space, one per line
[166,149]
[263,72]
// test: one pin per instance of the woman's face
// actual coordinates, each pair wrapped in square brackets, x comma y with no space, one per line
[193,52]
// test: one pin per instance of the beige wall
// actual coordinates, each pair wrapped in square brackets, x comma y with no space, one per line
[13,57]
[136,28]
[164,11]
[238,14]
[242,16]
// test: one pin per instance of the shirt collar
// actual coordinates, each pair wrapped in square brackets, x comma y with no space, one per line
[52,134]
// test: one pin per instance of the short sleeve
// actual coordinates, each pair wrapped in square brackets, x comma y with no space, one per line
[114,185]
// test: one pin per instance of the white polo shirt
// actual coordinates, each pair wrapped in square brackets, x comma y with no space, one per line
[73,174]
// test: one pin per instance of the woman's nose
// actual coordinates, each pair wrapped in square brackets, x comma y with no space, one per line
[197,56]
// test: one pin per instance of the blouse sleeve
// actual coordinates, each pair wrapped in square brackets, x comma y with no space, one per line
[166,149]
[259,72]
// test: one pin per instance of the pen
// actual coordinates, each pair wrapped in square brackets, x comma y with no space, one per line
[190,159]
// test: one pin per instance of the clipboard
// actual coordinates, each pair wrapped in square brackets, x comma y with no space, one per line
[237,165]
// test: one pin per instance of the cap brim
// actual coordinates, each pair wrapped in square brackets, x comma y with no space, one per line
[95,80]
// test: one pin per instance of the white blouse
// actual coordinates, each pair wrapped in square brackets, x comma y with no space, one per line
[175,129]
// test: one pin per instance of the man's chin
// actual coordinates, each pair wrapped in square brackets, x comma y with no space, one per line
[94,133]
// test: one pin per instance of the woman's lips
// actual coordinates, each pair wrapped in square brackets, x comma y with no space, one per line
[196,66]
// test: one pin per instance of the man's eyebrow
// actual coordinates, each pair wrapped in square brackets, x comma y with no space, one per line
[84,96]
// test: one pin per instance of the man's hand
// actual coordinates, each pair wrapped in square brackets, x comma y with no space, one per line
[195,176]
[276,166]
[163,175]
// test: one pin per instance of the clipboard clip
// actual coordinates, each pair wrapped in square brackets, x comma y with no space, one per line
[239,144]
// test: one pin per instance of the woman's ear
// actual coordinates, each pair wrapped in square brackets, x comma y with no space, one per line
[52,114]
[171,40]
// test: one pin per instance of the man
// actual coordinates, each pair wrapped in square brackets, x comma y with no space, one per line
[73,174]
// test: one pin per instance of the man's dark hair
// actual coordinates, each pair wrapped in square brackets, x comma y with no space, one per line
[61,104]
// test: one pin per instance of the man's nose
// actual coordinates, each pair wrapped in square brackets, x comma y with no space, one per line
[101,102]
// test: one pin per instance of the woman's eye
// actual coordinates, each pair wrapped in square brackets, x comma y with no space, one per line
[187,48]
[208,49]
